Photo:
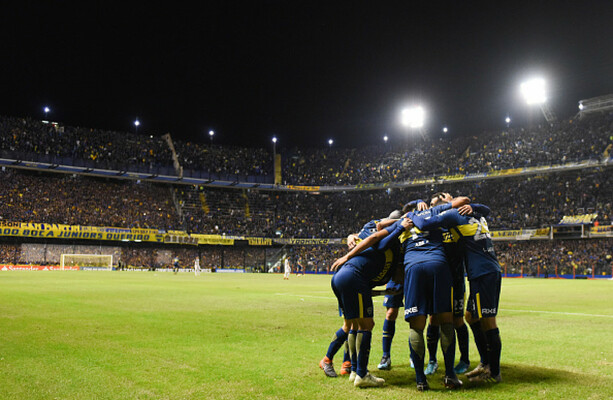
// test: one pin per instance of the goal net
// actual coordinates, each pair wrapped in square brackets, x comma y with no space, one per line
[87,261]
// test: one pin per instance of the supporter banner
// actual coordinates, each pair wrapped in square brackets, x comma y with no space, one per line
[579,219]
[213,239]
[453,177]
[308,241]
[230,270]
[303,188]
[603,230]
[542,232]
[36,268]
[506,234]
[59,231]
[259,241]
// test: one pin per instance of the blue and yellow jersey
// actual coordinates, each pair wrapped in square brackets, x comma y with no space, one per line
[368,229]
[420,245]
[376,264]
[473,234]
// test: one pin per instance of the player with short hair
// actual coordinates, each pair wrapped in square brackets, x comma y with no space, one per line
[428,291]
[484,276]
[455,256]
[358,272]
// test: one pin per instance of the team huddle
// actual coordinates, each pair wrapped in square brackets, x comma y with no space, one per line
[422,253]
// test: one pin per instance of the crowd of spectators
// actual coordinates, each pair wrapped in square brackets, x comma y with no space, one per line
[531,201]
[33,140]
[556,257]
[79,200]
[560,142]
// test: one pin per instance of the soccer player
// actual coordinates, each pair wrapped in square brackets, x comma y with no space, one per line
[287,269]
[455,256]
[350,331]
[175,265]
[197,266]
[484,276]
[358,272]
[428,291]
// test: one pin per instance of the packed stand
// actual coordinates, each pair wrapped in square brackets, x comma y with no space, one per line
[546,257]
[78,200]
[28,139]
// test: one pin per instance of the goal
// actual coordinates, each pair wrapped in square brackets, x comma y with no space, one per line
[87,261]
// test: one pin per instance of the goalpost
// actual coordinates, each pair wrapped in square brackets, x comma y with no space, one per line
[87,261]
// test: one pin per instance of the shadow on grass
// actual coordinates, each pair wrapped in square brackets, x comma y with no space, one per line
[402,375]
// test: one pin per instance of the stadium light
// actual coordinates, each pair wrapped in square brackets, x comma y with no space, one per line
[211,134]
[46,110]
[330,142]
[385,138]
[274,147]
[507,120]
[445,130]
[136,125]
[413,117]
[533,91]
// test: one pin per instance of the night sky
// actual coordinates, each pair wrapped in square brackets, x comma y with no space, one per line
[304,71]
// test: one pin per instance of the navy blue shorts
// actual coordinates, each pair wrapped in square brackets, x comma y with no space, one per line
[484,295]
[353,293]
[395,301]
[459,296]
[427,289]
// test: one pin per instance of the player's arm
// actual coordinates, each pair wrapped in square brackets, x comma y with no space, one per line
[352,240]
[478,208]
[445,219]
[384,223]
[369,242]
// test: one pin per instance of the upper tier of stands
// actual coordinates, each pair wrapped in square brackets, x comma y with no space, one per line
[565,141]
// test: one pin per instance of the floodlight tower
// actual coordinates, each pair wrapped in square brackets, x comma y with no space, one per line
[136,125]
[211,134]
[413,118]
[534,92]
[46,110]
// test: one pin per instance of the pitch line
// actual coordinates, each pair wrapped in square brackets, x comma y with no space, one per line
[313,297]
[559,312]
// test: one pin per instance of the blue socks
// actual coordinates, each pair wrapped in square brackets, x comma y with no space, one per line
[432,335]
[389,329]
[462,334]
[337,342]
[494,347]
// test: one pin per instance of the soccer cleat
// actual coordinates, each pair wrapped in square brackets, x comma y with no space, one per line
[326,365]
[461,368]
[368,381]
[346,368]
[352,376]
[431,368]
[477,371]
[386,363]
[423,386]
[486,376]
[452,383]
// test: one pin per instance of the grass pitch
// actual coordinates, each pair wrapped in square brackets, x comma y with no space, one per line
[146,335]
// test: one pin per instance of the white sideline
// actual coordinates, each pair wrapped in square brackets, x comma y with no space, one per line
[558,312]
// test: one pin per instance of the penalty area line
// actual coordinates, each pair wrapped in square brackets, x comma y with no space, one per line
[559,313]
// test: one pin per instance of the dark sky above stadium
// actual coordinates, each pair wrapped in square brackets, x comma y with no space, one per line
[305,71]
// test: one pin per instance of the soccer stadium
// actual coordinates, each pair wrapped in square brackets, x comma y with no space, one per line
[140,265]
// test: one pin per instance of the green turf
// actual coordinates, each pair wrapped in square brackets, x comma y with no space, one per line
[145,335]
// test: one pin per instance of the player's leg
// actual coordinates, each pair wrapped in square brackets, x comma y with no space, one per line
[353,351]
[393,303]
[461,330]
[488,299]
[417,304]
[473,318]
[432,336]
[417,349]
[364,339]
[442,292]
[341,285]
